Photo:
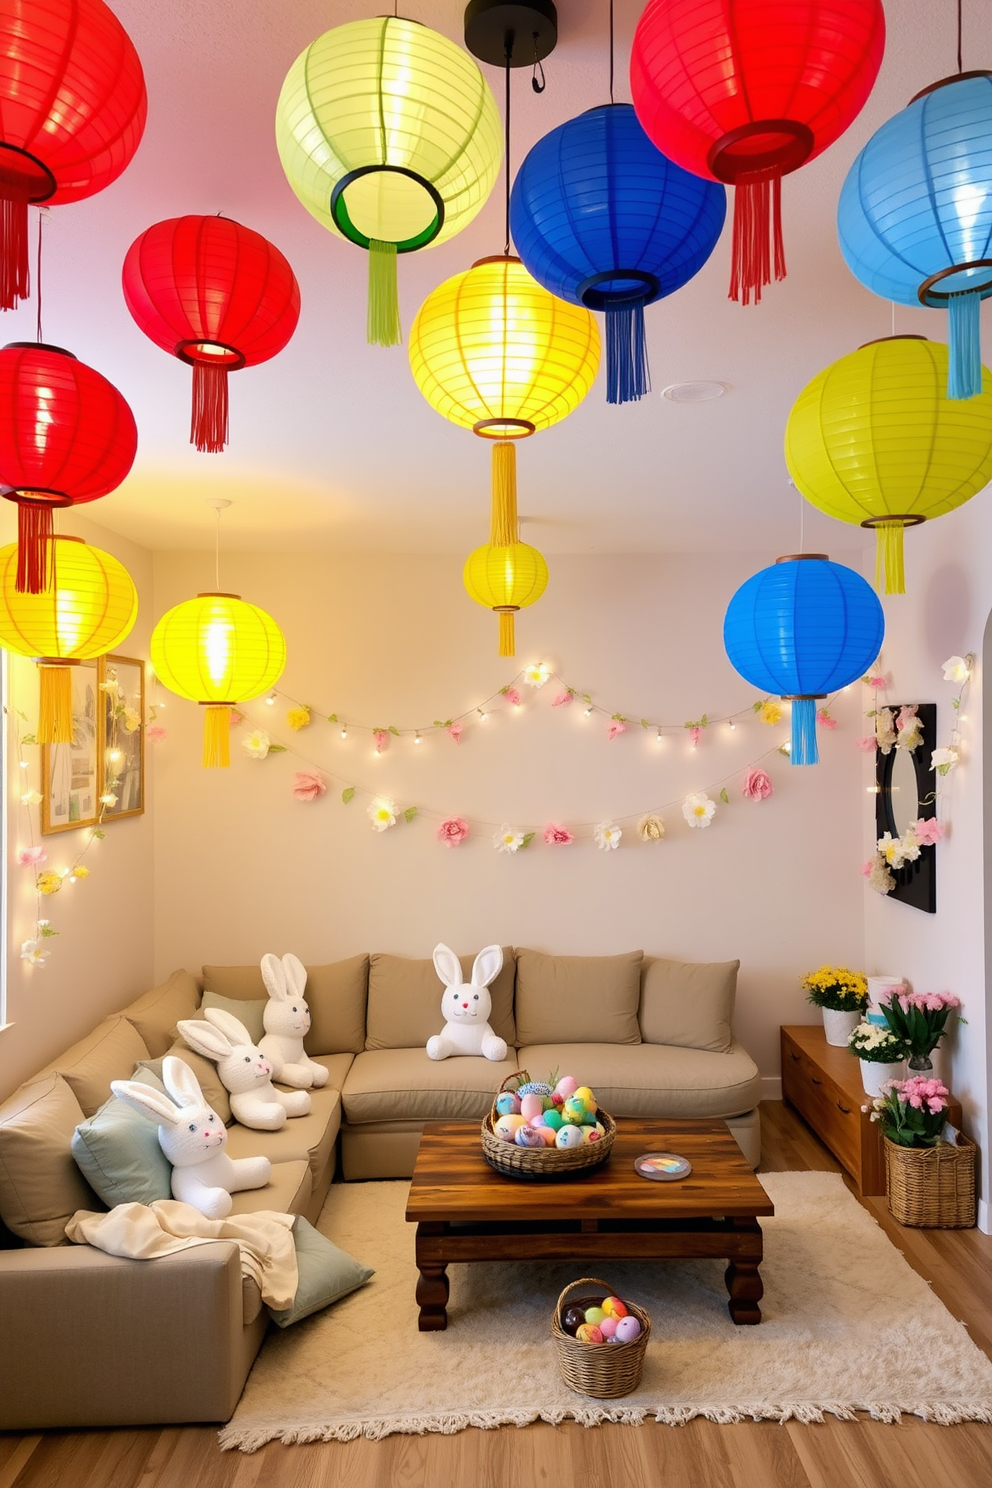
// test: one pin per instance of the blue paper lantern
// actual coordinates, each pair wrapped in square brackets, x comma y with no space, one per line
[802,629]
[601,218]
[915,213]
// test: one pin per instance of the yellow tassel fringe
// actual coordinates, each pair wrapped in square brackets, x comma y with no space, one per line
[217,736]
[55,708]
[889,557]
[507,634]
[504,528]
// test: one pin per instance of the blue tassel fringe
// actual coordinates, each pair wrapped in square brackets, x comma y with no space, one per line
[804,749]
[628,376]
[964,370]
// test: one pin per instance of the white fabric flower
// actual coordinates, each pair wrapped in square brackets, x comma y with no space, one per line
[31,798]
[943,760]
[956,669]
[508,839]
[897,851]
[32,953]
[537,675]
[607,836]
[651,828]
[382,813]
[698,810]
[257,744]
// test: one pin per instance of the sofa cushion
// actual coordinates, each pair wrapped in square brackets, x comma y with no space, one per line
[594,998]
[287,1191]
[40,1186]
[404,1008]
[309,1137]
[689,1004]
[247,1010]
[335,994]
[110,1052]
[326,1274]
[156,1014]
[206,1074]
[117,1151]
[655,1079]
[403,1084]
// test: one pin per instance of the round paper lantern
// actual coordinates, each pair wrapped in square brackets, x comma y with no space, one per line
[67,436]
[87,610]
[72,112]
[745,91]
[874,440]
[214,294]
[802,629]
[217,650]
[389,135]
[495,353]
[915,213]
[505,575]
[601,218]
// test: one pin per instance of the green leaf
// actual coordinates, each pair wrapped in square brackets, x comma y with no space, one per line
[46,932]
[24,716]
[955,702]
[724,797]
[347,793]
[395,731]
[528,839]
[277,749]
[585,697]
[332,718]
[409,813]
[645,724]
[29,739]
[703,721]
[99,833]
[757,707]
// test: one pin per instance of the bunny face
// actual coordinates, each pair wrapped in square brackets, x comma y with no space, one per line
[189,1130]
[224,1039]
[200,1135]
[466,1005]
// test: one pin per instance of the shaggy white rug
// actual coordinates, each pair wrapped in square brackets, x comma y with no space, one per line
[846,1326]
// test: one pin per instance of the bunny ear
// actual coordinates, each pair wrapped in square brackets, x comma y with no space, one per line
[147,1101]
[228,1025]
[488,965]
[204,1039]
[274,977]
[180,1082]
[447,966]
[296,974]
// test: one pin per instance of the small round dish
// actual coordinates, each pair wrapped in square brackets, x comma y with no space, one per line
[662,1167]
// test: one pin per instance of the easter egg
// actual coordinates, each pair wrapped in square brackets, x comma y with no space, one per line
[585,1095]
[586,1333]
[528,1136]
[628,1328]
[572,1318]
[507,1104]
[608,1327]
[601,1128]
[614,1308]
[534,1087]
[573,1110]
[568,1136]
[531,1105]
[548,1133]
[566,1086]
[557,1099]
[595,1315]
[589,1134]
[553,1119]
[505,1127]
[537,1120]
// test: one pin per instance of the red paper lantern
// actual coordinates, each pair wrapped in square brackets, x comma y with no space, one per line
[216,295]
[66,436]
[72,112]
[745,91]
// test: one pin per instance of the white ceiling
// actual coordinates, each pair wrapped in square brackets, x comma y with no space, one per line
[332,446]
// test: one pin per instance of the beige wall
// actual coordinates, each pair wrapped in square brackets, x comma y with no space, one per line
[102,955]
[242,868]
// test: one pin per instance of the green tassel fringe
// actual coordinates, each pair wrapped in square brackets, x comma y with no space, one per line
[383,325]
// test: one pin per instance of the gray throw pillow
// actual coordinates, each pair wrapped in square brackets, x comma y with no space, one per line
[326,1274]
[117,1151]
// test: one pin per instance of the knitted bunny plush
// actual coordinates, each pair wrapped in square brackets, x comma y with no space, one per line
[287,1020]
[243,1070]
[466,1009]
[193,1138]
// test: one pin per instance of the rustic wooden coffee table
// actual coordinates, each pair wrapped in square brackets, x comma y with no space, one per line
[464,1211]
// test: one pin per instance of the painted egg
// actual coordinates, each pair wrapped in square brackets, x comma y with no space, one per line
[585,1095]
[537,1120]
[628,1328]
[507,1104]
[574,1110]
[595,1315]
[568,1136]
[534,1087]
[531,1105]
[572,1318]
[528,1136]
[586,1333]
[589,1134]
[548,1133]
[554,1119]
[601,1128]
[614,1308]
[566,1086]
[557,1099]
[505,1127]
[608,1327]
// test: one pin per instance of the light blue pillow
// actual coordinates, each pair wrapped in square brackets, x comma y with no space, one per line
[326,1274]
[118,1154]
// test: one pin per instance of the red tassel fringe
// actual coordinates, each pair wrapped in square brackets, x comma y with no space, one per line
[208,429]
[34,546]
[13,252]
[757,218]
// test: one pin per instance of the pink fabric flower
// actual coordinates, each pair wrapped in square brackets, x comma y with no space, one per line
[452,831]
[867,867]
[695,734]
[557,836]
[455,732]
[308,785]
[512,696]
[757,786]
[28,856]
[866,744]
[236,718]
[614,727]
[562,699]
[381,737]
[823,718]
[156,732]
[927,831]
[877,679]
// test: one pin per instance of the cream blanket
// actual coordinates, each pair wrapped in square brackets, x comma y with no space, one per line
[144,1231]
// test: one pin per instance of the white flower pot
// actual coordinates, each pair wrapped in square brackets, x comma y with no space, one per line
[880,990]
[874,1076]
[839,1026]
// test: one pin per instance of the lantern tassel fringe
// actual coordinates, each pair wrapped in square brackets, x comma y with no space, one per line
[14,280]
[757,220]
[209,424]
[803,750]
[383,322]
[628,376]
[34,546]
[964,366]
[217,736]
[504,528]
[55,706]
[507,634]
[889,558]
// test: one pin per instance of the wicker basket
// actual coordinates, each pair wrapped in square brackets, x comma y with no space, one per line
[606,1370]
[542,1164]
[932,1188]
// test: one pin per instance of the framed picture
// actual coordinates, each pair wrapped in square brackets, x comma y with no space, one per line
[122,736]
[69,772]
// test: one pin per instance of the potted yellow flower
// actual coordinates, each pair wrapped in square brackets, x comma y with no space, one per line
[842,996]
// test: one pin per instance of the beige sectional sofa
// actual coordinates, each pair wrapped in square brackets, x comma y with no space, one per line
[88,1339]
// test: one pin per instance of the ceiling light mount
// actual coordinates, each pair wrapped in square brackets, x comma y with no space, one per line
[521,31]
[694,392]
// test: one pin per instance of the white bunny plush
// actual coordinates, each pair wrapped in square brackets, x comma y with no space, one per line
[243,1070]
[466,1009]
[193,1138]
[287,1019]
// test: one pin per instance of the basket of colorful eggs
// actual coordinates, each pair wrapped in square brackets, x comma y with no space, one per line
[600,1341]
[546,1129]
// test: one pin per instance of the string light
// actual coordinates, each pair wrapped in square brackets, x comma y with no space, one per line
[483,715]
[588,711]
[733,726]
[344,731]
[416,737]
[271,700]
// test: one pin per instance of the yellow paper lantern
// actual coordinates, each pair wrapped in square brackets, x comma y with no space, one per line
[217,650]
[88,609]
[875,440]
[505,575]
[390,136]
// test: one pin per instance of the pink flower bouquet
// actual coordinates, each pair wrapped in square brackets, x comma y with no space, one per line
[913,1112]
[919,1019]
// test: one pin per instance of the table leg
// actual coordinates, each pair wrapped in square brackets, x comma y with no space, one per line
[743,1279]
[432,1295]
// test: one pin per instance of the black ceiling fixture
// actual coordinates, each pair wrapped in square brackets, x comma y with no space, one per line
[518,32]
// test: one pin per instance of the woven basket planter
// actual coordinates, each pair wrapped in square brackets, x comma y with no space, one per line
[543,1164]
[606,1370]
[932,1188]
